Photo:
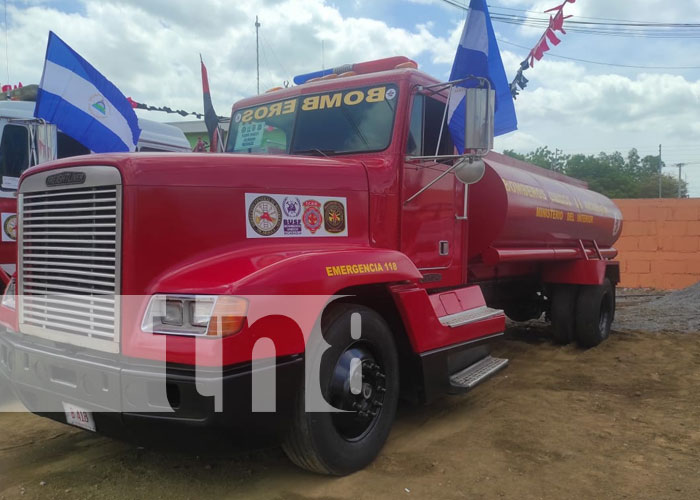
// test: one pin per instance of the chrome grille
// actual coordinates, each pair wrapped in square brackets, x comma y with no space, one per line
[69,256]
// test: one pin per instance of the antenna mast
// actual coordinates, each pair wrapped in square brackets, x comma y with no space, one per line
[257,51]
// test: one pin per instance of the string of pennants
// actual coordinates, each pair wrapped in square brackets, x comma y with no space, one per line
[166,109]
[556,23]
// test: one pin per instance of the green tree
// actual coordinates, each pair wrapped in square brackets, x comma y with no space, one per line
[634,163]
[611,174]
[542,157]
[513,154]
[602,175]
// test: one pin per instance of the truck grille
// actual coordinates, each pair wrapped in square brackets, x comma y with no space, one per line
[69,255]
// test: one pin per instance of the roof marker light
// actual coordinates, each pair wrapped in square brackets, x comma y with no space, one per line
[359,68]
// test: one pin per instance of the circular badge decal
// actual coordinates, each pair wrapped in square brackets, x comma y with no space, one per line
[291,206]
[265,216]
[334,216]
[237,117]
[390,94]
[10,227]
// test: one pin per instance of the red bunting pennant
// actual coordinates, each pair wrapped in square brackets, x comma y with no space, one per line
[552,37]
[556,23]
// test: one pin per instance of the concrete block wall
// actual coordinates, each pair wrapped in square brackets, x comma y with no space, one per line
[660,243]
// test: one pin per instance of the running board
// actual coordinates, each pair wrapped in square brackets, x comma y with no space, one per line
[475,374]
[470,316]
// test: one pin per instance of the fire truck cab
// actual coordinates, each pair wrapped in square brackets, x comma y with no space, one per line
[339,255]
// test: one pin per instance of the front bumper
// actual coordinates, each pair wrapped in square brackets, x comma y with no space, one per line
[127,395]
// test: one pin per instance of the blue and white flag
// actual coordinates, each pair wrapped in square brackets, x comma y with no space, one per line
[478,55]
[83,103]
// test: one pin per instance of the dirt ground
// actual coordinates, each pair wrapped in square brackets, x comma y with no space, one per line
[618,421]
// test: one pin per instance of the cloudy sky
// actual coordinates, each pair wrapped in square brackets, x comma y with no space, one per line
[645,92]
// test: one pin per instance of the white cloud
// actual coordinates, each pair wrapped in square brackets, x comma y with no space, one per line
[151,50]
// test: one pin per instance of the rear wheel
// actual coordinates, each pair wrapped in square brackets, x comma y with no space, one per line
[343,442]
[595,310]
[563,313]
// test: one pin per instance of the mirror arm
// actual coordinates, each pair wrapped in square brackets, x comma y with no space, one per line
[434,157]
[464,211]
[428,185]
[445,85]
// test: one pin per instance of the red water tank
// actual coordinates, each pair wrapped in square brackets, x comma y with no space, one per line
[519,209]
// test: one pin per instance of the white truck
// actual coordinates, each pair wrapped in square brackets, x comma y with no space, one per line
[26,141]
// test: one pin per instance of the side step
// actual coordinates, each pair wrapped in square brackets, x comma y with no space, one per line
[473,375]
[470,316]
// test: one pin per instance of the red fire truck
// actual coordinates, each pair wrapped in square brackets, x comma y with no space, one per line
[339,206]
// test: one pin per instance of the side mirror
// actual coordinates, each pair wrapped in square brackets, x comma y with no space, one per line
[469,170]
[478,126]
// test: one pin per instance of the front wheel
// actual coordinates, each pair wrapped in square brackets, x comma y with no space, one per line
[359,374]
[595,310]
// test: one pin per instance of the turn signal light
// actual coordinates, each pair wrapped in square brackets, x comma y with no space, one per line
[228,316]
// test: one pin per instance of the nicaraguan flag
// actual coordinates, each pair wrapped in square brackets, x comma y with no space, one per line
[83,103]
[478,55]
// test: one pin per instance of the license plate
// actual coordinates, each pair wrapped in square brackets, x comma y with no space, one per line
[79,417]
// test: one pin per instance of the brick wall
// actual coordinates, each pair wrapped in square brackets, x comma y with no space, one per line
[660,243]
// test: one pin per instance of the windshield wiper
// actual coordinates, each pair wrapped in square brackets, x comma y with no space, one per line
[315,152]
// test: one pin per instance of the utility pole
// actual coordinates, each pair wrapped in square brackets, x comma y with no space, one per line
[257,52]
[680,168]
[660,170]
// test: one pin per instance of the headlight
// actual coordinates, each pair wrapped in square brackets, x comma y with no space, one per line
[205,315]
[8,299]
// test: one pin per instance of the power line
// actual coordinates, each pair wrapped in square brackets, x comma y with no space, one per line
[544,23]
[620,28]
[578,17]
[600,62]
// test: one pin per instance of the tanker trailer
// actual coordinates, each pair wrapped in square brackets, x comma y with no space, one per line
[549,233]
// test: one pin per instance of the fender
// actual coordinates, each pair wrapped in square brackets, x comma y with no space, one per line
[284,271]
[581,272]
[327,272]
[246,273]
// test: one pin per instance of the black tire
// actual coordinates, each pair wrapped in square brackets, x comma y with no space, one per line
[595,310]
[339,444]
[563,313]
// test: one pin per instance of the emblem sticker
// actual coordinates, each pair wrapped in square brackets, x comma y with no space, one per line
[293,215]
[312,215]
[390,94]
[291,206]
[9,227]
[98,106]
[334,216]
[265,216]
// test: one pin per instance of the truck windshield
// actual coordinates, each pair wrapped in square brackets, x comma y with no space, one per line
[338,122]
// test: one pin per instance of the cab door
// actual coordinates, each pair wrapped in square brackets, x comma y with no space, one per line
[429,225]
